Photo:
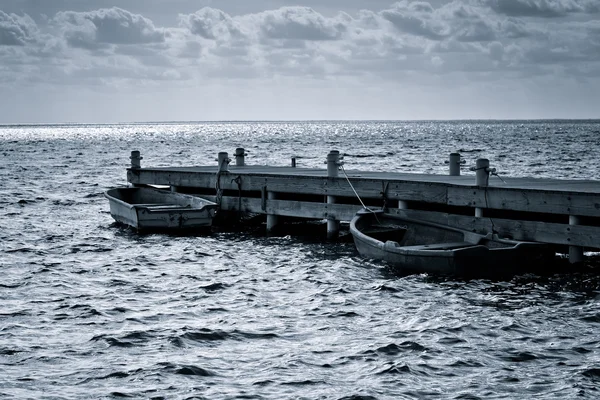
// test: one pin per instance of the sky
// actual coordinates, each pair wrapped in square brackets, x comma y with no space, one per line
[101,61]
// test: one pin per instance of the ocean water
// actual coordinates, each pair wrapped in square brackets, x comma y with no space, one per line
[90,309]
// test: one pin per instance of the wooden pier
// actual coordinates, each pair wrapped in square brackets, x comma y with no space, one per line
[560,212]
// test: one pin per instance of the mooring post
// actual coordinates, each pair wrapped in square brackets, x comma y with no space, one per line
[482,175]
[454,163]
[239,157]
[272,219]
[136,163]
[575,252]
[136,159]
[293,162]
[224,161]
[333,163]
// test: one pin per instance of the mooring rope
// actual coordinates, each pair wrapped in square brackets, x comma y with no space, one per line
[354,190]
[357,196]
[219,195]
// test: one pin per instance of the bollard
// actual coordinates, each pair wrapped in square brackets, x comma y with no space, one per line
[239,157]
[333,163]
[482,171]
[454,163]
[333,159]
[224,161]
[272,220]
[136,159]
[293,162]
[402,205]
[575,252]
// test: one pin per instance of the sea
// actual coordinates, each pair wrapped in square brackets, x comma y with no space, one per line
[90,309]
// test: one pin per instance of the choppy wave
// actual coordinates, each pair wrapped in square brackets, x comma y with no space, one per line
[93,310]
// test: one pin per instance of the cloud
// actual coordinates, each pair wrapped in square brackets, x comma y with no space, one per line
[210,23]
[113,26]
[16,30]
[417,19]
[299,23]
[418,43]
[467,23]
[542,8]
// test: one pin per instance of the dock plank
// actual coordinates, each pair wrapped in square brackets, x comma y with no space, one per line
[539,198]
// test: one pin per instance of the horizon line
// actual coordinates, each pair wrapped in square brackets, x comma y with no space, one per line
[295,120]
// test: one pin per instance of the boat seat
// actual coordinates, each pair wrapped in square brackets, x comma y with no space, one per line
[439,246]
[159,206]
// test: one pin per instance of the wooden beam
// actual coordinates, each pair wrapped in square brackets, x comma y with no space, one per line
[561,234]
[496,197]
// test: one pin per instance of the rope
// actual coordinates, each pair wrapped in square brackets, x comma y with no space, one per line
[357,196]
[485,194]
[219,196]
[354,190]
[238,180]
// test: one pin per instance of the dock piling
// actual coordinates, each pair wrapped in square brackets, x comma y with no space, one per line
[333,163]
[136,159]
[482,178]
[575,252]
[240,155]
[224,161]
[482,172]
[454,164]
[272,219]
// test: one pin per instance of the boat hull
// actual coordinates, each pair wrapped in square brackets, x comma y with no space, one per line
[413,246]
[149,209]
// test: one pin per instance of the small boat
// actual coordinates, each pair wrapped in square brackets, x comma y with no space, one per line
[150,209]
[417,246]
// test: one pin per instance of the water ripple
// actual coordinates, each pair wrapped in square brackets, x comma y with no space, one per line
[93,310]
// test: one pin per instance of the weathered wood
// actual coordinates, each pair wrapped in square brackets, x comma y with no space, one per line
[482,172]
[333,165]
[136,159]
[240,155]
[223,159]
[272,219]
[560,234]
[524,208]
[575,252]
[527,199]
[454,164]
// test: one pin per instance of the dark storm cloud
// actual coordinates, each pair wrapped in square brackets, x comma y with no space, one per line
[107,26]
[543,8]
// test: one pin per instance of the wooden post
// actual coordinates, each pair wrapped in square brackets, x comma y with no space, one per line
[482,171]
[333,162]
[454,163]
[272,219]
[136,159]
[575,252]
[239,157]
[224,161]
[482,174]
[333,159]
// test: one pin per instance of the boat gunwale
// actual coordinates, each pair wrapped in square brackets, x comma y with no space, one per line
[146,206]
